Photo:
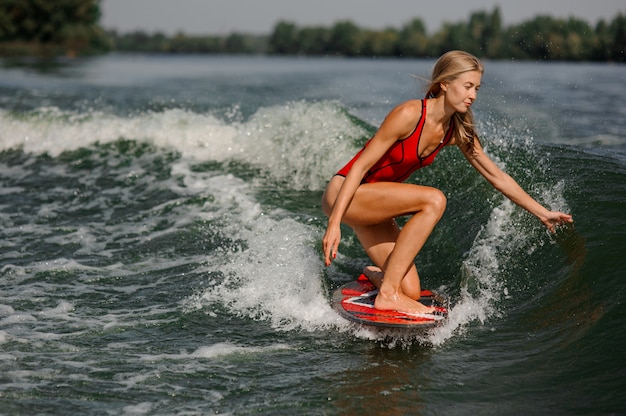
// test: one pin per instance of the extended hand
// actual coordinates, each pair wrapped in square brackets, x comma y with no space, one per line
[555,218]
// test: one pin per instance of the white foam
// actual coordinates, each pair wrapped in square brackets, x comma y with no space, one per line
[276,276]
[483,286]
[60,310]
[226,348]
[6,310]
[52,131]
[18,318]
[143,408]
[218,350]
[302,142]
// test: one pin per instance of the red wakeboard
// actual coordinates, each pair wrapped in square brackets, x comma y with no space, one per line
[355,302]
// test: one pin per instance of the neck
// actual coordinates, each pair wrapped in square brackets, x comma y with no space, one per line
[439,111]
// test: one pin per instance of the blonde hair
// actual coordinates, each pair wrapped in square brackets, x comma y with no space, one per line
[447,68]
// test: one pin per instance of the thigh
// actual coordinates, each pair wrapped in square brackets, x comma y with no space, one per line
[375,203]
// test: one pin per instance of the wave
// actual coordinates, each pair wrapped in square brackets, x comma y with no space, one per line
[303,143]
[264,263]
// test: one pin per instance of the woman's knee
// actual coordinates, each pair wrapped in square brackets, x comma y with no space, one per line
[436,202]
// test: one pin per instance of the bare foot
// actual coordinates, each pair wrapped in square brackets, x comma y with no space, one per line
[398,302]
[374,274]
[401,303]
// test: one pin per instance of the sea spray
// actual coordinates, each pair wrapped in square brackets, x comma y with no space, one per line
[303,143]
[276,276]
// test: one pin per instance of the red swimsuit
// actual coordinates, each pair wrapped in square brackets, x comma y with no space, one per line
[402,158]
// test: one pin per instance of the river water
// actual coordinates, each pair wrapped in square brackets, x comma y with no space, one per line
[161,227]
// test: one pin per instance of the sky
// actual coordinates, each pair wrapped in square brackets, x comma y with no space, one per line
[214,17]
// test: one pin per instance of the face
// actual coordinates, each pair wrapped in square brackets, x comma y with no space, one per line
[462,92]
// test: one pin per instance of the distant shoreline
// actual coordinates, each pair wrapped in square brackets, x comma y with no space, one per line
[542,38]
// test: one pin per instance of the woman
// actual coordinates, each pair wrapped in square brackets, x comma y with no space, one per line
[368,193]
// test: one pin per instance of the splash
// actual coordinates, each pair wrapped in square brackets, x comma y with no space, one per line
[276,277]
[486,266]
[300,142]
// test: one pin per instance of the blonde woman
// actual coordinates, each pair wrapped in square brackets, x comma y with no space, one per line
[368,194]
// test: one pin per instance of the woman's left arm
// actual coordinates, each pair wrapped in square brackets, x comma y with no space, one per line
[511,189]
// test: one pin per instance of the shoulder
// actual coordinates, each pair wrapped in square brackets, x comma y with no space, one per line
[407,109]
[405,115]
[399,123]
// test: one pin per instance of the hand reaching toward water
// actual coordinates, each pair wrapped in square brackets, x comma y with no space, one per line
[555,218]
[330,243]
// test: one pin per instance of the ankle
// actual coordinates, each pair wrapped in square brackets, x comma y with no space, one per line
[388,291]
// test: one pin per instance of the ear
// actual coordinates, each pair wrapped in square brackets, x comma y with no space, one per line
[443,86]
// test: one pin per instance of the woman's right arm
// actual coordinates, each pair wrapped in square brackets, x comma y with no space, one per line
[398,124]
[332,237]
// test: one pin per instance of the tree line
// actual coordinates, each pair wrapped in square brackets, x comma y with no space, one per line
[540,38]
[71,27]
[51,28]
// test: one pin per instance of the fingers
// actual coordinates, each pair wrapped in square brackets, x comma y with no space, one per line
[329,249]
[326,255]
[564,218]
[327,260]
[330,244]
[557,219]
[330,253]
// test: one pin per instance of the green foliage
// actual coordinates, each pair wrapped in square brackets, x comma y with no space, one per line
[548,38]
[345,39]
[413,40]
[311,40]
[49,27]
[235,43]
[541,38]
[283,40]
[52,27]
[617,38]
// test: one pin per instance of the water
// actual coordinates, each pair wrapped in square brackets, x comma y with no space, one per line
[161,227]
